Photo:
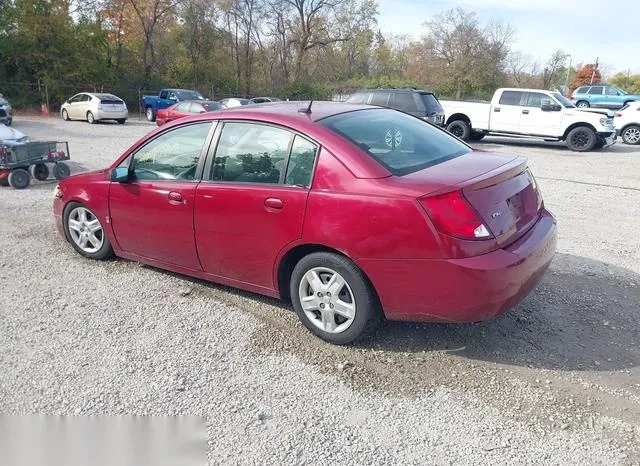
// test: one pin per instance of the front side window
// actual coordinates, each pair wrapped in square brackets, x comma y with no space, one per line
[537,99]
[510,98]
[75,98]
[301,162]
[251,153]
[401,143]
[610,91]
[173,155]
[595,90]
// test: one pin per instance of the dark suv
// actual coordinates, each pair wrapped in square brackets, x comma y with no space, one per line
[422,104]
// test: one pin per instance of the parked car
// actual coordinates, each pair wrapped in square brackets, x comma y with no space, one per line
[186,108]
[263,100]
[423,104]
[271,199]
[11,136]
[234,102]
[627,123]
[150,104]
[531,113]
[6,112]
[94,107]
[602,96]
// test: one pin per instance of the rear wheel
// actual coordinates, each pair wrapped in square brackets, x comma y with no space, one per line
[582,139]
[40,171]
[19,178]
[151,116]
[333,298]
[460,128]
[61,171]
[631,135]
[90,118]
[122,121]
[85,233]
[582,104]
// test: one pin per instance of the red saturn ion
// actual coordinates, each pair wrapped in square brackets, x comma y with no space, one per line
[353,212]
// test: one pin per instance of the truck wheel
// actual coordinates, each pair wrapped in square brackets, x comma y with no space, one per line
[460,129]
[582,139]
[61,171]
[40,171]
[151,116]
[582,104]
[631,135]
[19,178]
[476,136]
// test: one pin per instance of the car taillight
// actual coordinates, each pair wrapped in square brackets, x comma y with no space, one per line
[534,183]
[453,215]
[618,114]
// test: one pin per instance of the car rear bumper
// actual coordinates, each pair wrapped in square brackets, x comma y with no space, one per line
[464,290]
[109,115]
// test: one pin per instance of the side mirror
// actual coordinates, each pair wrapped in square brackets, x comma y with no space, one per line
[550,108]
[202,111]
[119,174]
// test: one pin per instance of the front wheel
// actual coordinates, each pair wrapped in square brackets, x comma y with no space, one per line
[460,129]
[333,298]
[582,139]
[65,115]
[85,232]
[631,135]
[150,114]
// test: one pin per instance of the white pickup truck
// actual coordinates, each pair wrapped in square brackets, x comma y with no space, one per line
[531,113]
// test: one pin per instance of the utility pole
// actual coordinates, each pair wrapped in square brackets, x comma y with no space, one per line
[595,67]
[566,81]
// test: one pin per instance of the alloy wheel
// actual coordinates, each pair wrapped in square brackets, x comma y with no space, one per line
[327,300]
[85,230]
[631,135]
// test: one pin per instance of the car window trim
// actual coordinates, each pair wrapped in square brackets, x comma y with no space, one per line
[197,177]
[207,174]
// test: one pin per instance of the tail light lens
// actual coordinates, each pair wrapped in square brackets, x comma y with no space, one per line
[536,188]
[453,215]
[618,114]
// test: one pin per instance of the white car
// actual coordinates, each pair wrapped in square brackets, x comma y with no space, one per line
[94,107]
[11,137]
[234,102]
[627,123]
[532,113]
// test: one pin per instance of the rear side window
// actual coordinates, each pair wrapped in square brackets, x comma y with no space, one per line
[510,98]
[597,90]
[301,161]
[582,90]
[432,105]
[401,143]
[379,98]
[403,101]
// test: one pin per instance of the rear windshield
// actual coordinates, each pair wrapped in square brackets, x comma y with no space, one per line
[431,104]
[402,143]
[109,99]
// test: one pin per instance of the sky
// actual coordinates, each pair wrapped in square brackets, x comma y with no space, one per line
[585,29]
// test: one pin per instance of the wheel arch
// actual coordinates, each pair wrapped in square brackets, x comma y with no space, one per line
[459,116]
[576,125]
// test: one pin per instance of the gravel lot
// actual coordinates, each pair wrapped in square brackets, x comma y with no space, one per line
[556,380]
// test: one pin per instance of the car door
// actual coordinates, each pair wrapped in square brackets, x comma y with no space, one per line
[534,120]
[595,97]
[152,213]
[74,110]
[254,201]
[505,116]
[612,98]
[179,111]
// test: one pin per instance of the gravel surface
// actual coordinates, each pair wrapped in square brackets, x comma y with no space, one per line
[556,380]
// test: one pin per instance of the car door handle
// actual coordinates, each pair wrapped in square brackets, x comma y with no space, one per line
[175,198]
[273,203]
[526,112]
[496,109]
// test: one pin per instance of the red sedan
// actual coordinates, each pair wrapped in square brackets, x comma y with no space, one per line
[186,108]
[353,212]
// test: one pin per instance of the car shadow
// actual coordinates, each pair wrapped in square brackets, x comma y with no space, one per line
[585,319]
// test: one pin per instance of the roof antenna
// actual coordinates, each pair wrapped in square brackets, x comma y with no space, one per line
[306,110]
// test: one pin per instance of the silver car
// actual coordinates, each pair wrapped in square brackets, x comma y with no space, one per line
[94,107]
[6,112]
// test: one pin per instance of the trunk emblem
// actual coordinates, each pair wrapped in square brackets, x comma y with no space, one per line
[496,214]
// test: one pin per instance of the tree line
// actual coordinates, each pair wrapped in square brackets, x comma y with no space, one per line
[289,48]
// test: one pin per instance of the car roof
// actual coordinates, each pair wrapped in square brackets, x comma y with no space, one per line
[319,109]
[393,89]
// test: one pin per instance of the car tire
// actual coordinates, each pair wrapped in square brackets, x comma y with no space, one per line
[582,139]
[19,178]
[476,136]
[90,118]
[355,297]
[122,121]
[40,172]
[631,135]
[65,115]
[105,251]
[582,104]
[460,129]
[150,114]
[61,171]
